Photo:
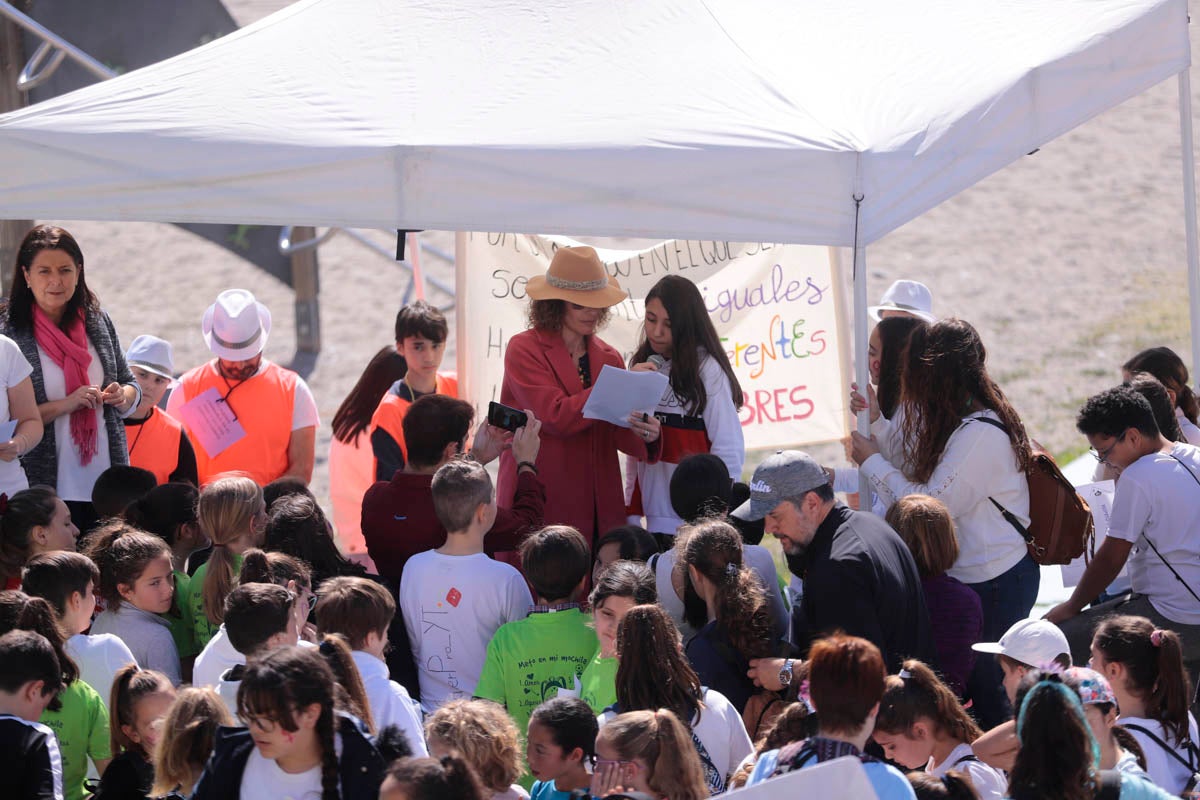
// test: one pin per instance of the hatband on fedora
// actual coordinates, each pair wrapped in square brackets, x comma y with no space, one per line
[577,275]
[909,297]
[236,326]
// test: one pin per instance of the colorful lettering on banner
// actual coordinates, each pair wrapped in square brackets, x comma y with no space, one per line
[776,307]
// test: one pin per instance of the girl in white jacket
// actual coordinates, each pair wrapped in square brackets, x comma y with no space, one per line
[698,411]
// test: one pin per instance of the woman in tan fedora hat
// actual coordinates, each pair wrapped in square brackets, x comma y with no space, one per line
[549,369]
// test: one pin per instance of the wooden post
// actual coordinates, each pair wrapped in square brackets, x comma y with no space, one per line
[306,285]
[12,61]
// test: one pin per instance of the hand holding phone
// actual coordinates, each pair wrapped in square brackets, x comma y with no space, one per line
[505,417]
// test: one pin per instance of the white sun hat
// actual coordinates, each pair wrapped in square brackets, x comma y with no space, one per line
[153,355]
[910,297]
[236,326]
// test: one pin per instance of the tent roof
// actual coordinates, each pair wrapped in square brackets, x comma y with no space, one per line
[722,119]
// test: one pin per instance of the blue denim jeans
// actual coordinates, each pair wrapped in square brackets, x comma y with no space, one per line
[1006,599]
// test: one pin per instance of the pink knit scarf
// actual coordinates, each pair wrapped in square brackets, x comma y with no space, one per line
[69,351]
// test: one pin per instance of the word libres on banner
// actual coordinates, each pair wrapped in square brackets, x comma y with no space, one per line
[777,309]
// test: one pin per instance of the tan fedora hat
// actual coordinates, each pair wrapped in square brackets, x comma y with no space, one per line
[577,275]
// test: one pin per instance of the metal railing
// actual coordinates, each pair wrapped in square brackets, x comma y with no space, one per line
[54,49]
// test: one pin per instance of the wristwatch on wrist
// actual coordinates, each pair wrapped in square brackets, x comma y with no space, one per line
[785,674]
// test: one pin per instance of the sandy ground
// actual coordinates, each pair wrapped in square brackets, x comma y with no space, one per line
[1067,261]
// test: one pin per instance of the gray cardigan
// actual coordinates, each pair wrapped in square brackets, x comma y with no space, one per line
[41,463]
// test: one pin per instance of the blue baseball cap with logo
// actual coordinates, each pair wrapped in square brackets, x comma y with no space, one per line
[784,474]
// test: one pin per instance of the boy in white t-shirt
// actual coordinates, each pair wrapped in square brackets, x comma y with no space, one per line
[361,610]
[1154,525]
[454,598]
[67,581]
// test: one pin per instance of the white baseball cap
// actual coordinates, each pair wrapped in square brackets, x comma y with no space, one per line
[910,297]
[236,326]
[153,355]
[1035,642]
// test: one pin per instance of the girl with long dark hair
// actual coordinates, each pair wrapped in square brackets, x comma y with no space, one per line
[653,673]
[1144,666]
[1164,364]
[351,459]
[739,622]
[296,741]
[1059,759]
[964,444]
[885,365]
[699,410]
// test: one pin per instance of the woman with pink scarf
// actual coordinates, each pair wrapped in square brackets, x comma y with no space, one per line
[80,380]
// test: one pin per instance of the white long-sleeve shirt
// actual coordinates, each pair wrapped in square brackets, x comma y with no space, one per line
[978,462]
[724,430]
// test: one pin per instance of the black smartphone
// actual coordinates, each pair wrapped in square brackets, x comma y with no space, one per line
[509,419]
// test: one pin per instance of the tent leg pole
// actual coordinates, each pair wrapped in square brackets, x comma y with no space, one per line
[1189,210]
[861,374]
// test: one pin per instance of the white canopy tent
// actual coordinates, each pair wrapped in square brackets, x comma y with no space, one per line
[823,122]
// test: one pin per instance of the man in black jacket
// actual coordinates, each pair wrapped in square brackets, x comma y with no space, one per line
[859,577]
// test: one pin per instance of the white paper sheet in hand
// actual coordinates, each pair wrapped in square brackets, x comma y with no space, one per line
[1099,497]
[617,392]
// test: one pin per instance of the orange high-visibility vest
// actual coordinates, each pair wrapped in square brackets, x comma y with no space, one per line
[389,414]
[154,445]
[263,405]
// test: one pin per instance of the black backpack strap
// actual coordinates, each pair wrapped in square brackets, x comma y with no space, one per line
[969,757]
[1108,785]
[995,423]
[1166,748]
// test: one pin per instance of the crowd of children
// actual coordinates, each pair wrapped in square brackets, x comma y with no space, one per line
[209,637]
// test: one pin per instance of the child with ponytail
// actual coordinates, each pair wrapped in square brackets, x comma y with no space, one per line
[739,622]
[296,743]
[137,585]
[1058,758]
[445,778]
[169,512]
[140,700]
[921,724]
[1144,666]
[32,521]
[561,747]
[649,752]
[188,734]
[352,696]
[220,655]
[233,515]
[78,715]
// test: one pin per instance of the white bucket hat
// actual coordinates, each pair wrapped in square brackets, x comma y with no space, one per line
[236,326]
[153,355]
[908,296]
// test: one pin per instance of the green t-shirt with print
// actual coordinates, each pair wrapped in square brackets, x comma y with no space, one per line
[81,726]
[179,621]
[202,629]
[529,660]
[599,689]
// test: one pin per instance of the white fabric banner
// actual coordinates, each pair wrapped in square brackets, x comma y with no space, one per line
[778,309]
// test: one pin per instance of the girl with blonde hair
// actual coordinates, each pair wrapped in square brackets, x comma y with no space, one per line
[233,515]
[188,733]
